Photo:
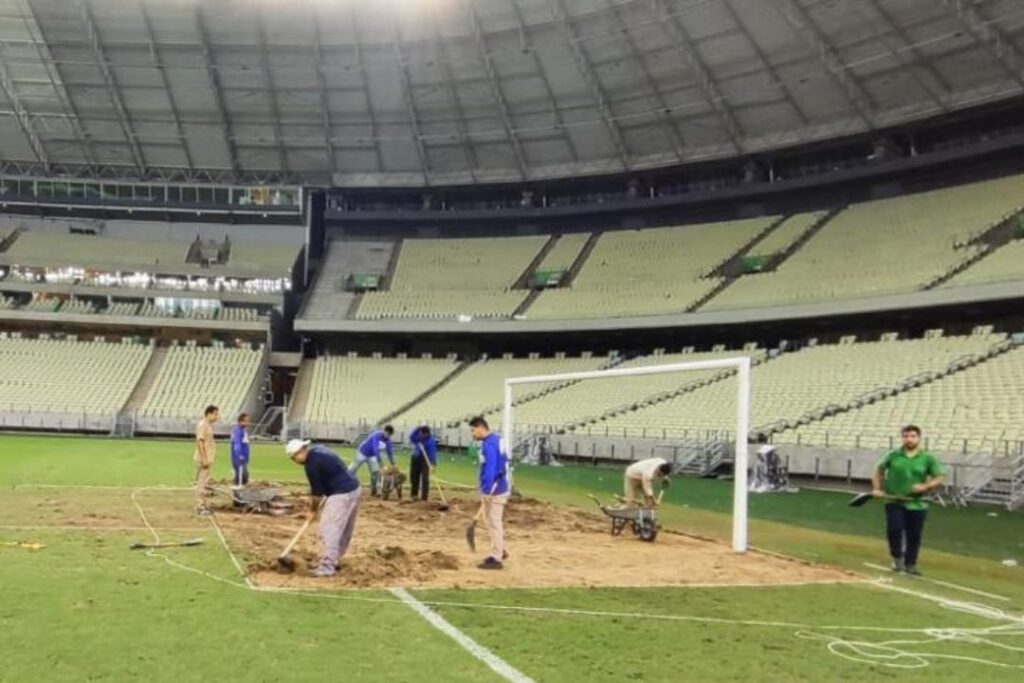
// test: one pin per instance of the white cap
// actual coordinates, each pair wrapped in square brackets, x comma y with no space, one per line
[294,446]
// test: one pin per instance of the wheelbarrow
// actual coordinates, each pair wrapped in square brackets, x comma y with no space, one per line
[261,500]
[642,520]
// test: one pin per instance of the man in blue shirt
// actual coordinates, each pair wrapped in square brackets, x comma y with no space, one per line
[370,451]
[423,460]
[240,450]
[331,482]
[494,489]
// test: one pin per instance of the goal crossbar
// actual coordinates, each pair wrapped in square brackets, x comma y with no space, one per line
[739,363]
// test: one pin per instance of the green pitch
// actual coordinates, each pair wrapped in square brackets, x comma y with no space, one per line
[84,607]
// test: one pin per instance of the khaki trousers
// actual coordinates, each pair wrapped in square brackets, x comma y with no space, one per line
[494,513]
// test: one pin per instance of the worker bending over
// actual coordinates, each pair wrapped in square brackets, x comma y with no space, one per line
[640,479]
[373,447]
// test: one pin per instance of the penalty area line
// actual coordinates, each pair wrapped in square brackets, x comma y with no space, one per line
[493,661]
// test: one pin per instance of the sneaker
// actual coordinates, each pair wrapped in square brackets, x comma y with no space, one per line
[897,564]
[913,570]
[324,572]
[490,563]
[204,512]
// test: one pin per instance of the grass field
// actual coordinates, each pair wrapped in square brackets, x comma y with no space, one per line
[84,607]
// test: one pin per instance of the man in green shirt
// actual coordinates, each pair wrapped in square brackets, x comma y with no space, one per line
[905,475]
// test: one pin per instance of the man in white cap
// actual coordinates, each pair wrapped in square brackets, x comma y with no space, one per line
[330,481]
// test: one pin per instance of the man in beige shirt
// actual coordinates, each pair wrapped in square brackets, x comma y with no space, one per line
[640,478]
[204,455]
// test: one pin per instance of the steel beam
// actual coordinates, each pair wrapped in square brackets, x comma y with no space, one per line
[218,96]
[986,32]
[159,66]
[705,79]
[268,78]
[325,104]
[24,118]
[113,91]
[496,91]
[797,17]
[591,79]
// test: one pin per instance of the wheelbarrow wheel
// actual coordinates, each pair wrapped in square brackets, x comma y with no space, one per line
[647,531]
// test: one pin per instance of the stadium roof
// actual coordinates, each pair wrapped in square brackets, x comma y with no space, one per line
[414,92]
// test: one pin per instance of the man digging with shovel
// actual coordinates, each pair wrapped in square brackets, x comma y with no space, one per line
[330,483]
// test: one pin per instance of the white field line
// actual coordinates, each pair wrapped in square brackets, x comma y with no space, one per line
[496,663]
[234,559]
[947,584]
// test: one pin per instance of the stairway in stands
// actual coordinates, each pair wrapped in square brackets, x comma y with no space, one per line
[999,234]
[731,269]
[124,425]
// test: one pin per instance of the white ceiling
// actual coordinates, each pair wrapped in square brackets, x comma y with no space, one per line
[414,92]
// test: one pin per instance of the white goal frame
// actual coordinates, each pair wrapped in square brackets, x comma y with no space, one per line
[742,366]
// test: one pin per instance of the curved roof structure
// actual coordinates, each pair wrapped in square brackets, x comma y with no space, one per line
[431,92]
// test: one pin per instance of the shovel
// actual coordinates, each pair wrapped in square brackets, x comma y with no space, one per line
[149,546]
[285,564]
[471,529]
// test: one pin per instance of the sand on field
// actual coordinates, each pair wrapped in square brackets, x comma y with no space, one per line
[413,544]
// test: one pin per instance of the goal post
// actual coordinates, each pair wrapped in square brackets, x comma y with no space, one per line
[739,363]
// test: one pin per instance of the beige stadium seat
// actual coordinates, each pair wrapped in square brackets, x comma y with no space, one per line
[786,233]
[650,271]
[445,278]
[974,409]
[352,390]
[562,255]
[47,375]
[796,383]
[193,377]
[1005,263]
[589,399]
[913,239]
[479,388]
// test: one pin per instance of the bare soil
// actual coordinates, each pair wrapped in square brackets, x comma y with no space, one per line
[414,544]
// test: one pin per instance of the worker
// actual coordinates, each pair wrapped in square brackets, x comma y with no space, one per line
[203,455]
[240,451]
[422,462]
[377,443]
[494,489]
[904,476]
[331,483]
[640,478]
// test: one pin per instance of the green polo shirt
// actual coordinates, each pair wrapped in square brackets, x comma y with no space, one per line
[903,472]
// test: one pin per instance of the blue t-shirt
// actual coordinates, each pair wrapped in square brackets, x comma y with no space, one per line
[426,445]
[239,445]
[327,473]
[371,446]
[493,466]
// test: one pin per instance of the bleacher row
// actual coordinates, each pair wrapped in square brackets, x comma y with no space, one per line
[71,376]
[128,308]
[964,389]
[871,248]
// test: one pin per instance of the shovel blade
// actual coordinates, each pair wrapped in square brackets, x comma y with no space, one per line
[860,500]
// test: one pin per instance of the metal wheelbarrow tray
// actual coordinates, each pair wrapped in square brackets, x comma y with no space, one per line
[261,500]
[642,520]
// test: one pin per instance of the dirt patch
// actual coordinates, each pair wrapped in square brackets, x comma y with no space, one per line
[413,544]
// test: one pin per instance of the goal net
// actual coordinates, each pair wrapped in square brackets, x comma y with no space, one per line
[741,366]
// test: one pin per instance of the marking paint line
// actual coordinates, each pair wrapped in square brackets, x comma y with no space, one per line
[496,663]
[231,554]
[947,584]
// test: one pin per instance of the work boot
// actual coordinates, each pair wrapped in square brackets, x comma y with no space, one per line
[913,570]
[491,563]
[897,564]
